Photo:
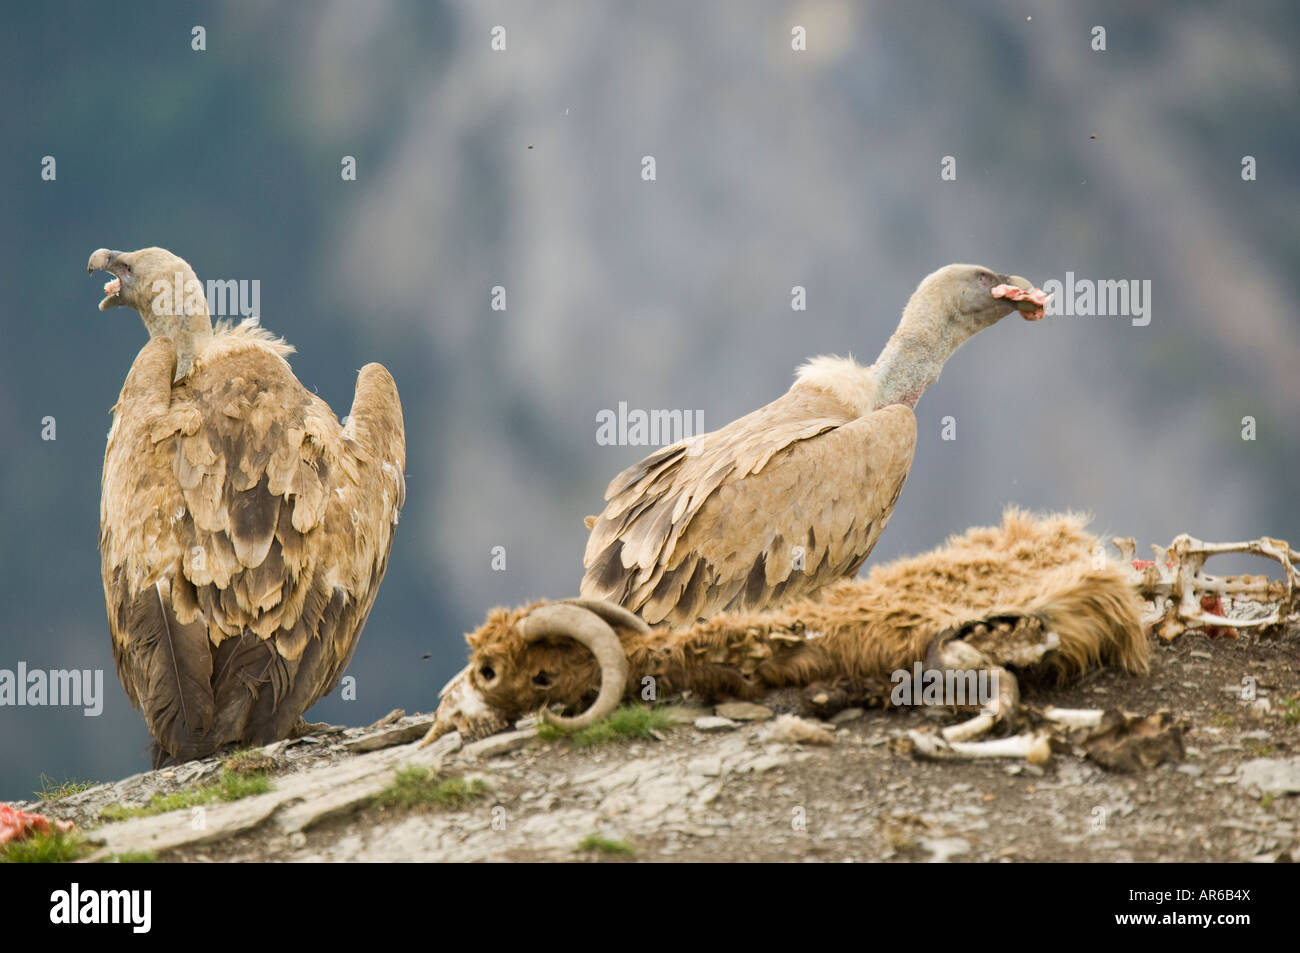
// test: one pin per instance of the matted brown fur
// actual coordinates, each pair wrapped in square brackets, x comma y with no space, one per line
[1046,569]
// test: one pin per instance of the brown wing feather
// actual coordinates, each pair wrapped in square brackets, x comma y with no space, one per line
[264,524]
[726,520]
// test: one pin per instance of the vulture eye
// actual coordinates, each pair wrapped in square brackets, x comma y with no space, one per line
[126,269]
[487,673]
[542,680]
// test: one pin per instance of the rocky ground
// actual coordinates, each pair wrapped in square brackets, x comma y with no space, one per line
[739,789]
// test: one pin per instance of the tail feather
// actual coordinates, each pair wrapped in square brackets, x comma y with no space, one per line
[241,676]
[173,661]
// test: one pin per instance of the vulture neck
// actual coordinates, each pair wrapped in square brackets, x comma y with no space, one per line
[189,332]
[912,359]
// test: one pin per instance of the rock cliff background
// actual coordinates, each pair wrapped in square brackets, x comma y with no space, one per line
[522,169]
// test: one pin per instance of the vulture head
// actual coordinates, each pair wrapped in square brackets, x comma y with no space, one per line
[948,307]
[526,660]
[973,297]
[164,290]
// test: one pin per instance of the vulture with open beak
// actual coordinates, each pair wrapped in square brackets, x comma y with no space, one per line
[793,496]
[243,531]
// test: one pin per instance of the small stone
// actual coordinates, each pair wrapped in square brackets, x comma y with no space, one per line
[694,830]
[743,711]
[388,737]
[1271,775]
[395,715]
[1197,653]
[297,839]
[944,848]
[1191,770]
[848,715]
[714,723]
[500,744]
[685,714]
[709,767]
[763,763]
[791,729]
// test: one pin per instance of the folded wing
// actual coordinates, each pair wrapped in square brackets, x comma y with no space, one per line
[244,534]
[770,507]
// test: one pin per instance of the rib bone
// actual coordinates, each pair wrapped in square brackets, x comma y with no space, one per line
[1177,583]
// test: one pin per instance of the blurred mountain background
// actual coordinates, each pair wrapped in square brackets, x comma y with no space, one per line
[522,169]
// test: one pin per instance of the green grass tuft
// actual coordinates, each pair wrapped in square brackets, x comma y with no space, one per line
[234,786]
[231,786]
[56,847]
[626,723]
[416,786]
[133,857]
[247,761]
[52,790]
[595,843]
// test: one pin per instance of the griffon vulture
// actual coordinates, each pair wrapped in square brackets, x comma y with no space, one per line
[243,531]
[794,495]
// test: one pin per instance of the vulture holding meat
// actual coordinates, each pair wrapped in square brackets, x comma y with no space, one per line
[243,531]
[793,496]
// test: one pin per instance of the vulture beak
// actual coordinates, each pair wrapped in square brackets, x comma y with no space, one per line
[105,259]
[1031,302]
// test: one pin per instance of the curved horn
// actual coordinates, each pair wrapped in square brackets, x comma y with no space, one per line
[612,613]
[586,627]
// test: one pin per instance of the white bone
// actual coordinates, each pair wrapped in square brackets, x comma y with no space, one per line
[1032,746]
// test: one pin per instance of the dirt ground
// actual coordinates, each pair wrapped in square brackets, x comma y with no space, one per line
[738,794]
